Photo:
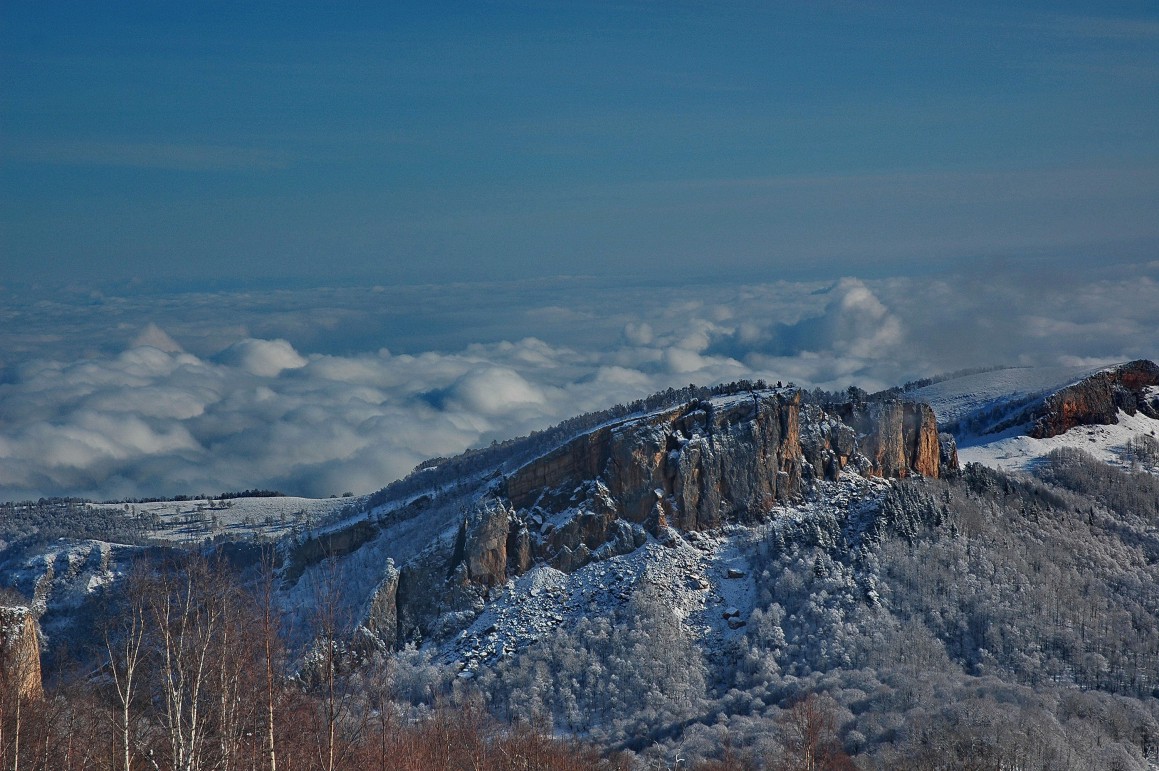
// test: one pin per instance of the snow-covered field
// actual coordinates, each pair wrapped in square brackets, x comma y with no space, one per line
[1012,451]
[962,397]
[195,520]
[959,397]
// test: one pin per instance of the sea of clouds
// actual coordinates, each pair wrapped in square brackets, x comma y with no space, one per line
[317,392]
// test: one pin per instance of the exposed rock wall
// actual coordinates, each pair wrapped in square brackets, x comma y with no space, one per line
[485,534]
[333,544]
[697,467]
[897,438]
[701,464]
[1097,400]
[19,653]
[382,615]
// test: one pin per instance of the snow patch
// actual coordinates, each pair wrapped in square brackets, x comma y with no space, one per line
[960,397]
[1013,451]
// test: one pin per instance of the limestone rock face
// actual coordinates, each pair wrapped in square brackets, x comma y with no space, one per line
[885,443]
[1096,400]
[699,466]
[19,653]
[582,458]
[485,533]
[435,595]
[923,446]
[703,465]
[897,438]
[382,615]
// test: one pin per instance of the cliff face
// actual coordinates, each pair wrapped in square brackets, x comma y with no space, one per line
[19,653]
[1098,399]
[695,467]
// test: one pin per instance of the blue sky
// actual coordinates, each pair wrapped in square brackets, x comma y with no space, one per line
[319,143]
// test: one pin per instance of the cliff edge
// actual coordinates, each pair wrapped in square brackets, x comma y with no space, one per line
[1098,399]
[699,466]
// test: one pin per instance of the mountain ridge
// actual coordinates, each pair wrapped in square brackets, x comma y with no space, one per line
[659,577]
[699,466]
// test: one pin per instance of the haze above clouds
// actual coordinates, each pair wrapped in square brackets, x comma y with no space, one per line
[168,395]
[402,142]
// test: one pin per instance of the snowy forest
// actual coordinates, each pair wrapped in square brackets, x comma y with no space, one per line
[987,621]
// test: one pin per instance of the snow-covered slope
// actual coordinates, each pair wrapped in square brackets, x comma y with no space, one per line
[704,576]
[956,399]
[198,519]
[991,415]
[1014,451]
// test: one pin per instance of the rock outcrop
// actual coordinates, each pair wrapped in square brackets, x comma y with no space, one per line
[19,653]
[696,467]
[483,540]
[1098,399]
[382,614]
[898,438]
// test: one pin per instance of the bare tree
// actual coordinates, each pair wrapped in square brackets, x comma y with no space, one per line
[189,605]
[272,653]
[124,646]
[331,631]
[811,741]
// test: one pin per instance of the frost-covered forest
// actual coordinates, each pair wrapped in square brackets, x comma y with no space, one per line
[982,621]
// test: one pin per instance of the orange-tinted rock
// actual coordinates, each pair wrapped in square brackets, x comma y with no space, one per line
[923,446]
[19,653]
[898,438]
[1097,400]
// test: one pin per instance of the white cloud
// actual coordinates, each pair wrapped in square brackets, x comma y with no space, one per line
[638,333]
[248,411]
[494,391]
[155,337]
[265,358]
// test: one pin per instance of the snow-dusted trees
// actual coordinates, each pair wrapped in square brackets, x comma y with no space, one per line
[627,674]
[192,677]
[986,621]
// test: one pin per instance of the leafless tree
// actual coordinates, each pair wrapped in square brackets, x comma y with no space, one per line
[810,739]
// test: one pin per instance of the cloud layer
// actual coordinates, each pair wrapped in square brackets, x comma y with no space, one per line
[188,406]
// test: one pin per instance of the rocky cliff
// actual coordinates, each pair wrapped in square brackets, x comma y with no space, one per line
[700,466]
[1097,400]
[19,653]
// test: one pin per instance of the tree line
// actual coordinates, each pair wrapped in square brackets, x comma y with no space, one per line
[192,673]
